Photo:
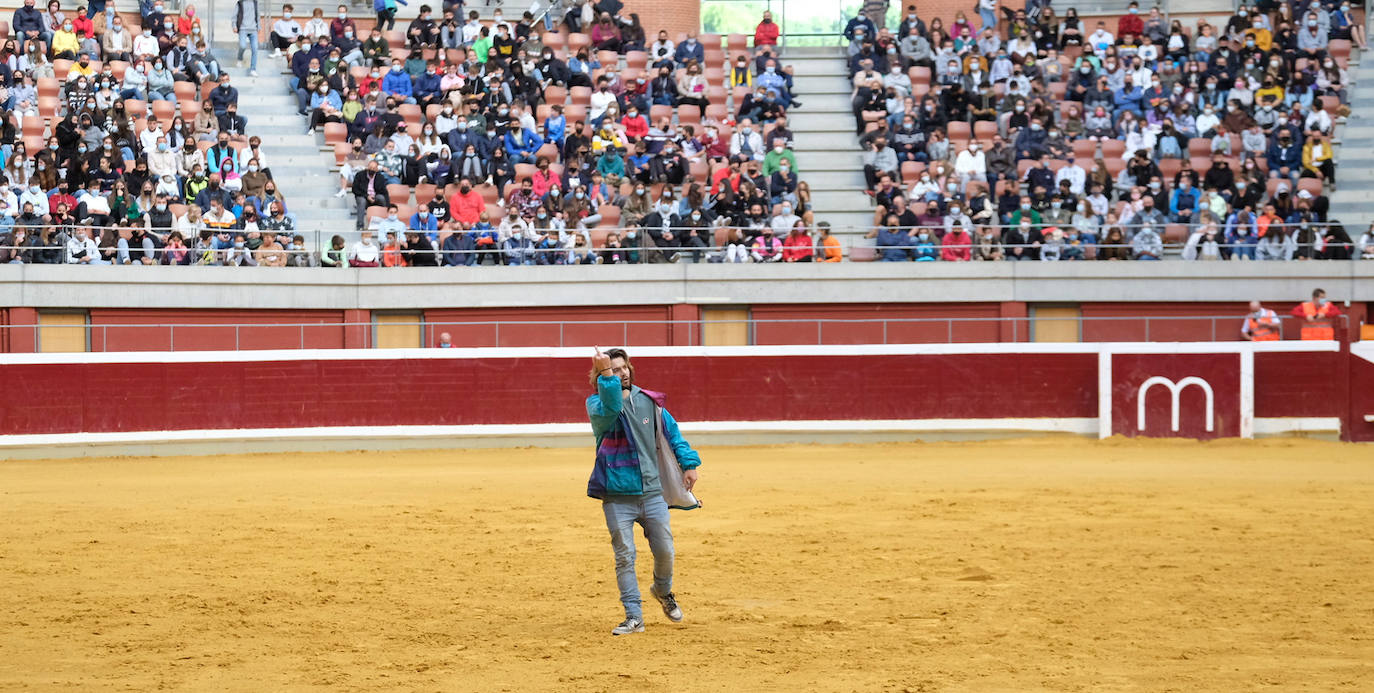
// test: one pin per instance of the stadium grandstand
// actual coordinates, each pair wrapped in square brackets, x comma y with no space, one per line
[585,134]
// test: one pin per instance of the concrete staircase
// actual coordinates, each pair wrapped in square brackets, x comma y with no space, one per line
[1353,202]
[303,172]
[827,150]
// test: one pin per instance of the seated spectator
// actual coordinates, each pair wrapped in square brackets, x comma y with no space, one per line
[364,253]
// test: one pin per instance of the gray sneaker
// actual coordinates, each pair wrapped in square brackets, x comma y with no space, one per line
[629,625]
[669,604]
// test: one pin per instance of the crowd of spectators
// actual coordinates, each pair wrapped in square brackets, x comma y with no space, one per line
[122,144]
[589,142]
[1046,137]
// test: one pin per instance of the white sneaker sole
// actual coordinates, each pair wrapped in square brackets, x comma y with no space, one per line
[677,619]
[617,631]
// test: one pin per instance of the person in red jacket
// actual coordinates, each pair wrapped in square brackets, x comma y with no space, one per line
[798,247]
[957,245]
[635,124]
[1130,23]
[467,204]
[766,34]
[1317,316]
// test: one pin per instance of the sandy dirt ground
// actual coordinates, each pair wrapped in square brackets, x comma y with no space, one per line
[1045,564]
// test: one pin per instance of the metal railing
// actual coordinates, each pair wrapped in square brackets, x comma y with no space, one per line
[127,337]
[560,254]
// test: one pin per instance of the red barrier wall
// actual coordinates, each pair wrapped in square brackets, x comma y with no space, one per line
[289,394]
[57,394]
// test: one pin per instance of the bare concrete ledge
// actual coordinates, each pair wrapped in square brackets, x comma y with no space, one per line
[60,286]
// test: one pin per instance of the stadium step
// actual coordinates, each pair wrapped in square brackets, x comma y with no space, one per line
[303,172]
[828,155]
[1351,202]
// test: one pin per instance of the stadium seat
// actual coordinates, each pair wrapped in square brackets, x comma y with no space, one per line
[577,42]
[335,133]
[610,216]
[424,192]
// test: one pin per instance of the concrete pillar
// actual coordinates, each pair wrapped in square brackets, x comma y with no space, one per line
[22,331]
[358,329]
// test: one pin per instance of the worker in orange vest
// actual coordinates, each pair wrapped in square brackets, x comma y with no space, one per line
[1316,316]
[1261,325]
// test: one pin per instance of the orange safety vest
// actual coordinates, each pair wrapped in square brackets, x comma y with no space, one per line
[1319,328]
[1264,328]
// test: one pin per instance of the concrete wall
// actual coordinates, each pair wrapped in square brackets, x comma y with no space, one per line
[49,286]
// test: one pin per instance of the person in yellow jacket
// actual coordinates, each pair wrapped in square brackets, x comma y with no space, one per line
[1264,40]
[65,44]
[1316,160]
[740,75]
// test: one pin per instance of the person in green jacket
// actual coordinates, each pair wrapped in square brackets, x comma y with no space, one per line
[777,154]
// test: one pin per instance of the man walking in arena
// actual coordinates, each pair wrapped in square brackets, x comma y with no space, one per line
[643,467]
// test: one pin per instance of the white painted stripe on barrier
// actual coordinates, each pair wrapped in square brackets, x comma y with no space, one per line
[1104,394]
[1079,426]
[1043,425]
[584,352]
[1364,350]
[1247,394]
[1297,424]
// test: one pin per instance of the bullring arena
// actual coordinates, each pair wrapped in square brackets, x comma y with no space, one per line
[1045,560]
[1025,564]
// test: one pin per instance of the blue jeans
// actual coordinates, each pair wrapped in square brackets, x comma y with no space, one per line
[622,512]
[988,18]
[248,41]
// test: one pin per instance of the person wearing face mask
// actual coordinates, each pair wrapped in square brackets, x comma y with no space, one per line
[689,50]
[398,84]
[285,31]
[746,142]
[1312,39]
[65,44]
[1285,157]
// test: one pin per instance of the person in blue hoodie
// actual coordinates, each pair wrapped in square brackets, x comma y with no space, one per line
[556,126]
[643,467]
[427,85]
[398,84]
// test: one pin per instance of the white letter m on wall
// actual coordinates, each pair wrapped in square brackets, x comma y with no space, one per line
[1174,390]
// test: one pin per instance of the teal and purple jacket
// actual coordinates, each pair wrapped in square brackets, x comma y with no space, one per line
[616,471]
